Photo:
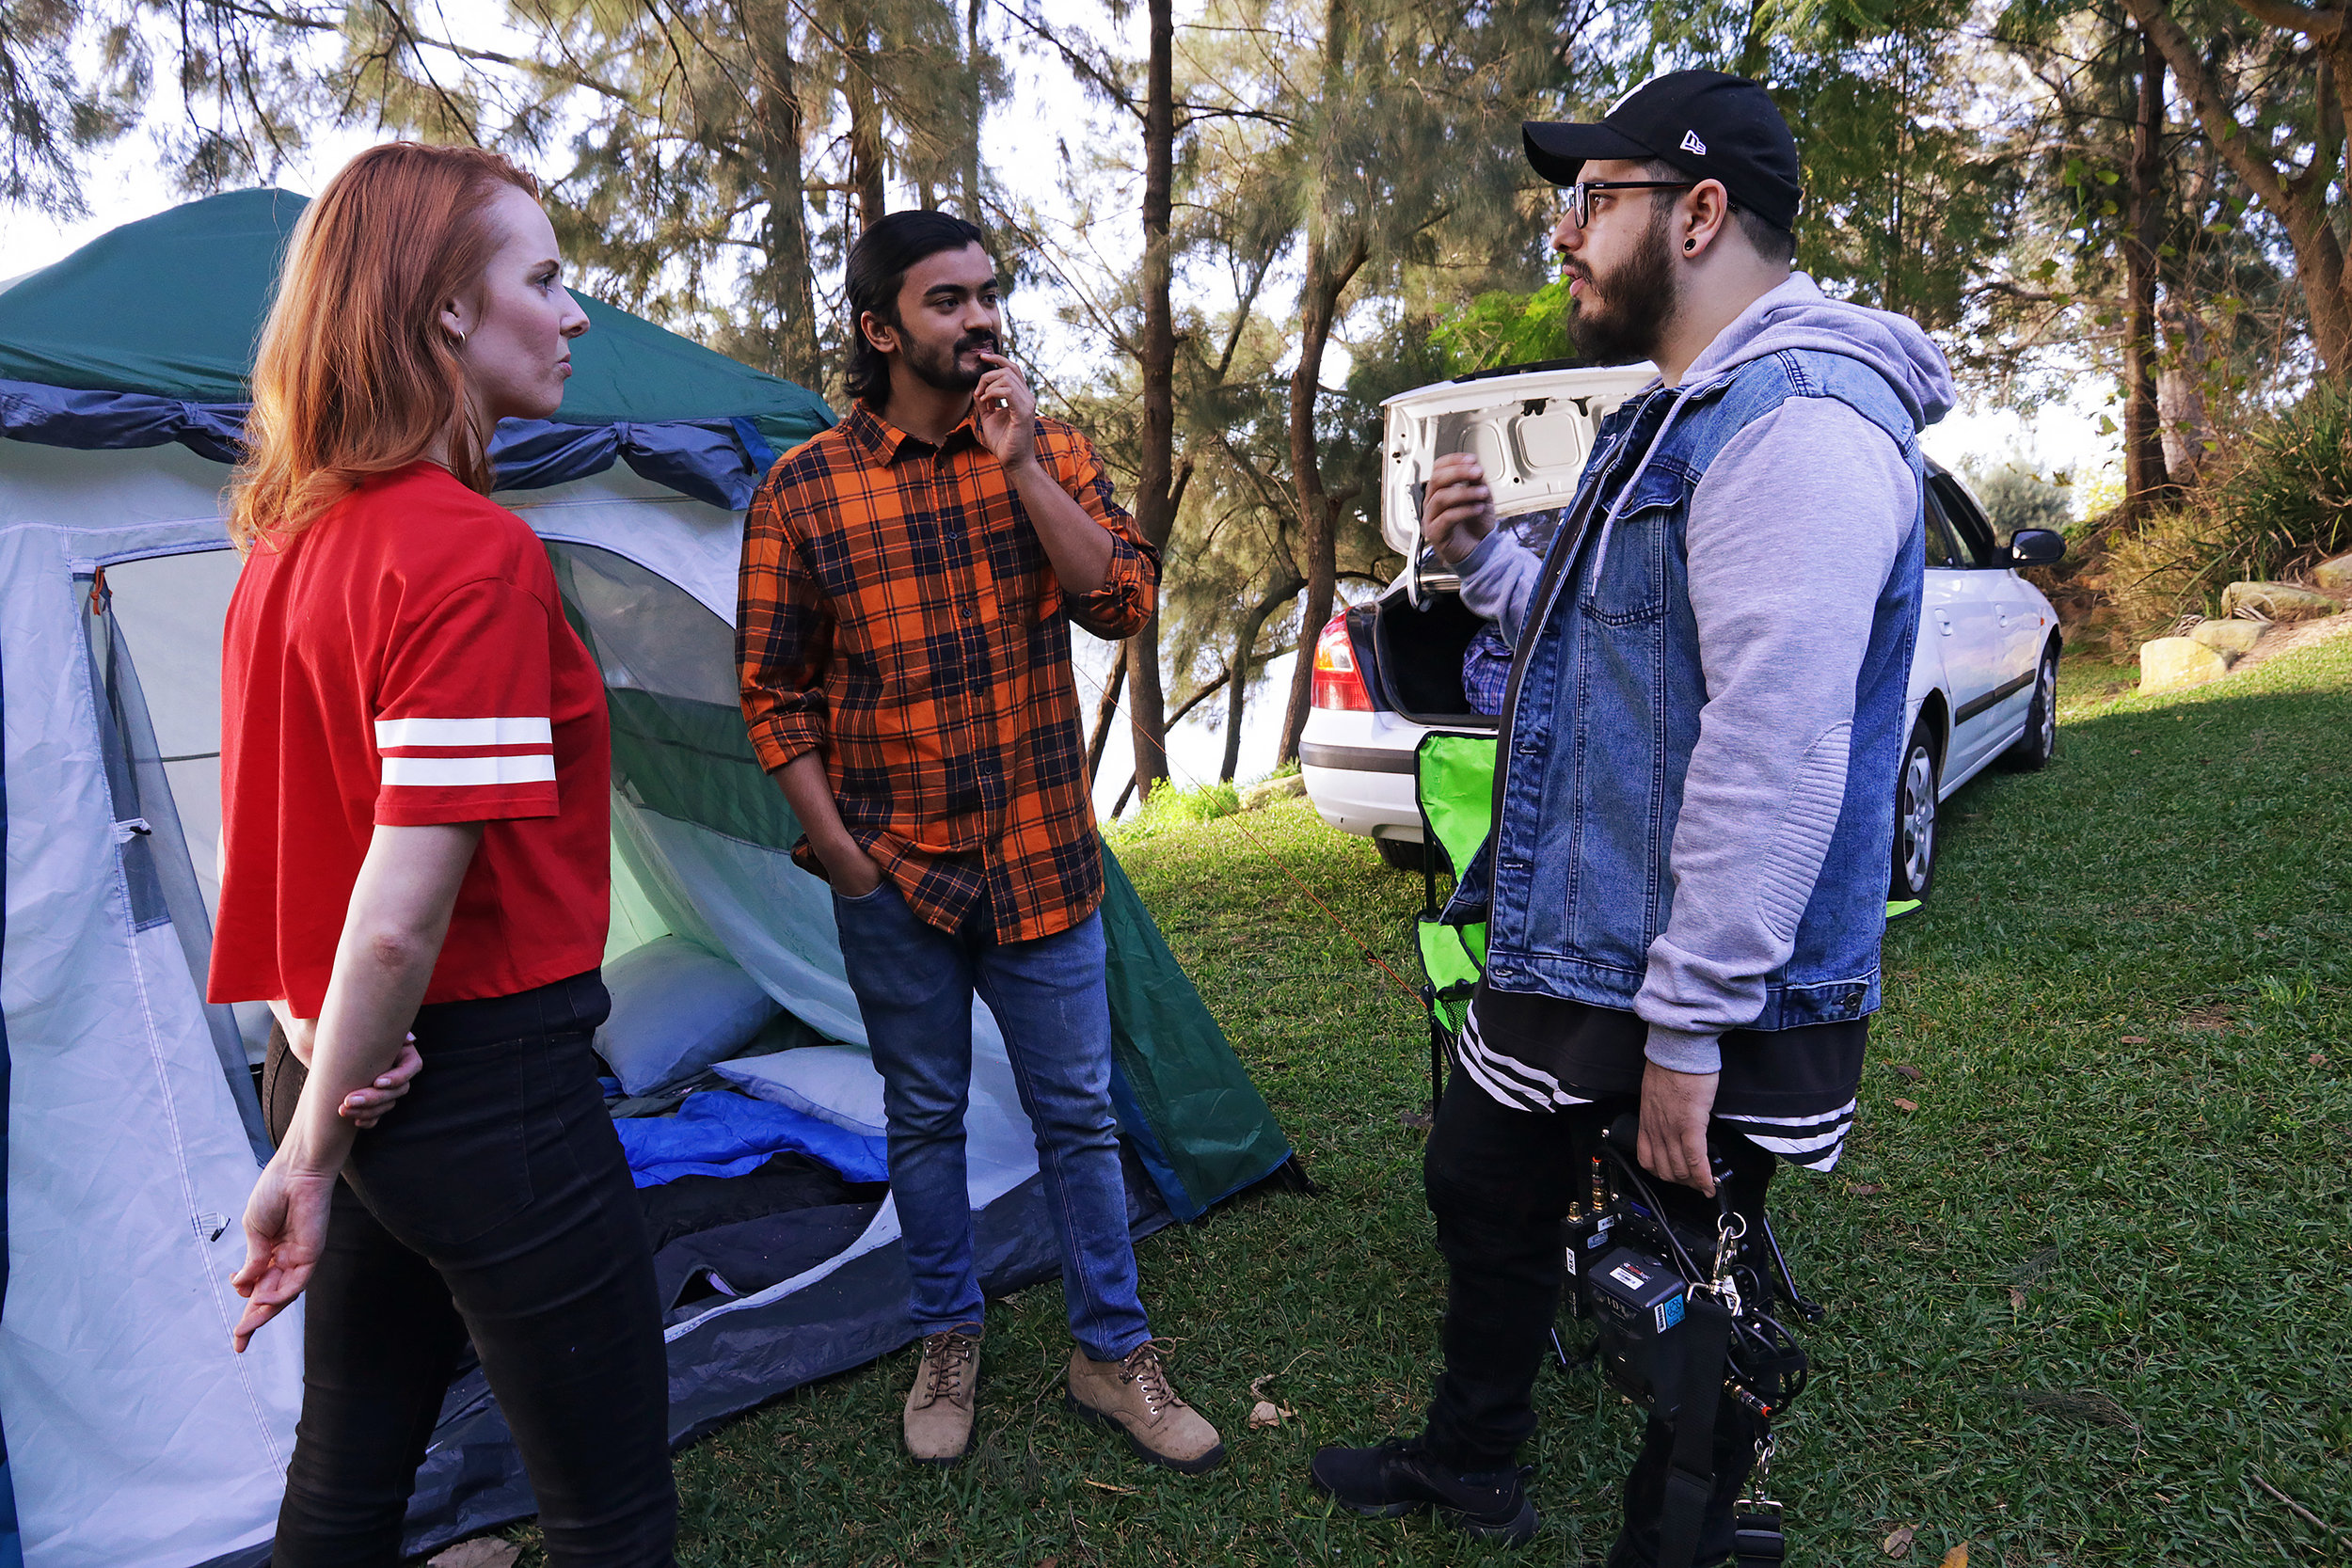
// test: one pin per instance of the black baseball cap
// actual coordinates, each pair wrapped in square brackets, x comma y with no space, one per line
[1710,125]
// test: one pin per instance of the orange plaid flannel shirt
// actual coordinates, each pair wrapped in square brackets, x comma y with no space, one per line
[897,614]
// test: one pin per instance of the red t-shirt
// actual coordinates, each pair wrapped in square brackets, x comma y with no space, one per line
[404,661]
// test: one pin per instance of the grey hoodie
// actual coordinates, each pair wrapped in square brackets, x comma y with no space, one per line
[1791,537]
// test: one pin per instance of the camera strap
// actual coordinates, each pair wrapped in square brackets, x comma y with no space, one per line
[1691,1480]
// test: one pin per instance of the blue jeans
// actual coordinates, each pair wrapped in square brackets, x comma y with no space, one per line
[914,986]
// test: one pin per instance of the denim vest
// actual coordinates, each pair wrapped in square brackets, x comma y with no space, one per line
[1603,712]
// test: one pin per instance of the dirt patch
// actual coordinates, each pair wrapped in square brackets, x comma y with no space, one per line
[2288,639]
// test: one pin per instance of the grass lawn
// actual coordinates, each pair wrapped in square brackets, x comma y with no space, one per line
[2098,1280]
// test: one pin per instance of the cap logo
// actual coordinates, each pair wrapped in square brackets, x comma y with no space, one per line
[1690,143]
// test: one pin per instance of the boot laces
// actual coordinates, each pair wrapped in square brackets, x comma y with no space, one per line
[1145,1369]
[944,1355]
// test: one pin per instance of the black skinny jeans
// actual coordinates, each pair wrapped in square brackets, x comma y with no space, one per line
[494,1204]
[1500,1181]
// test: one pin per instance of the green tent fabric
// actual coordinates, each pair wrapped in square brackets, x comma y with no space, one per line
[1176,1068]
[1184,1101]
[171,306]
[1454,780]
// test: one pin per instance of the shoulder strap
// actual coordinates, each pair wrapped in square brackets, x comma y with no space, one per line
[1691,1481]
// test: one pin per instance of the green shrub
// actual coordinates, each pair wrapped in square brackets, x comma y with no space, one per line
[2015,496]
[1171,807]
[2273,503]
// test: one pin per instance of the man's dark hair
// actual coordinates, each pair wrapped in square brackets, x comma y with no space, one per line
[1771,241]
[878,265]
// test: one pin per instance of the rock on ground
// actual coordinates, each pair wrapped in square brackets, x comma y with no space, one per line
[2169,663]
[2228,637]
[2276,601]
[1259,796]
[2334,576]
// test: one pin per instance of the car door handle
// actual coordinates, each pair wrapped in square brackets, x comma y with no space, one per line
[1944,623]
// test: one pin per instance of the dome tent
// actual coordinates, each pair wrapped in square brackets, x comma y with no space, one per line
[132,1135]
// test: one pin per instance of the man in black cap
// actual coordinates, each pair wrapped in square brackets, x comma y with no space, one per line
[1686,880]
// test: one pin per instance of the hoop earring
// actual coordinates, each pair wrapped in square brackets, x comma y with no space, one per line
[457,340]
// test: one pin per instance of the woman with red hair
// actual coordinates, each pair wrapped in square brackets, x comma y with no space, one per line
[415,773]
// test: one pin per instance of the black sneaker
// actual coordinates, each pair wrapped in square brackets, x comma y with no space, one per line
[1399,1477]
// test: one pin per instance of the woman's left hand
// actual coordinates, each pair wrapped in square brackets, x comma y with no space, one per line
[285,1232]
[1004,412]
[365,1108]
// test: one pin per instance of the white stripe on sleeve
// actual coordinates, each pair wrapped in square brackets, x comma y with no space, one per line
[462,732]
[451,772]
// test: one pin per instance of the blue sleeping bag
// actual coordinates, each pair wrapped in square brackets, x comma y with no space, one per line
[718,1132]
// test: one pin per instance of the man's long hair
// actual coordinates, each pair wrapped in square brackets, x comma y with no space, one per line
[354,375]
[878,265]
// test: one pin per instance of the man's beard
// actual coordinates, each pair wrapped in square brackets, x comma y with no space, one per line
[1624,316]
[940,365]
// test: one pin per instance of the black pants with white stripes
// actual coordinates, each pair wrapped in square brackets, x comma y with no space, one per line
[1500,1181]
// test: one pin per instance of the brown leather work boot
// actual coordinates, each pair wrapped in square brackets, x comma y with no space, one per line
[939,1406]
[1135,1397]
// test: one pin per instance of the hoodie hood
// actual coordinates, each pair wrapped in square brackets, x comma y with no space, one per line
[1797,315]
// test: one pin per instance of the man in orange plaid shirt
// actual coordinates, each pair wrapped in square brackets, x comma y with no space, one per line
[903,636]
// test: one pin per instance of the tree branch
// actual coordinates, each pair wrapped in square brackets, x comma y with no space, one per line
[1091,70]
[2213,112]
[2319,26]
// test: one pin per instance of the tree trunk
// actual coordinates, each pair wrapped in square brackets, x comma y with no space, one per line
[2145,475]
[1155,511]
[2299,201]
[1105,710]
[969,170]
[1329,269]
[1245,647]
[2188,433]
[1318,307]
[865,138]
[782,149]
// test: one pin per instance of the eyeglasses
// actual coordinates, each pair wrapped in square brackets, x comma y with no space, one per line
[1580,200]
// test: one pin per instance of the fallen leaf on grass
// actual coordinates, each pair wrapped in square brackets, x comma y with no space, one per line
[2016,1299]
[1866,1189]
[1906,1069]
[2133,1039]
[1898,1542]
[1957,1556]
[1265,1413]
[483,1551]
[2319,1058]
[1106,1486]
[1906,1104]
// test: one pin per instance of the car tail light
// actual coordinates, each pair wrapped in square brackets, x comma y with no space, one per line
[1338,682]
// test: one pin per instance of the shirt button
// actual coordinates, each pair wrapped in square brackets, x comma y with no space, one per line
[967,611]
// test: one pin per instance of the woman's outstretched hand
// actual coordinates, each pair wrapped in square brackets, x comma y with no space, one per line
[285,1231]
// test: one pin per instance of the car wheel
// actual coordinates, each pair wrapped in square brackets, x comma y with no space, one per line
[1403,854]
[1915,818]
[2031,752]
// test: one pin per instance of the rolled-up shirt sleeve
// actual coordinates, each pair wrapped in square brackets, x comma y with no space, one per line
[783,639]
[1130,586]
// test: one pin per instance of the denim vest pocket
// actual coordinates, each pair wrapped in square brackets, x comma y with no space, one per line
[1632,585]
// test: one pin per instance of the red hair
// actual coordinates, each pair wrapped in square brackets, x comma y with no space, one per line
[354,375]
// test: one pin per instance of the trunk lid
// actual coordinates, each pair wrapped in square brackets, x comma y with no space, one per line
[1530,428]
